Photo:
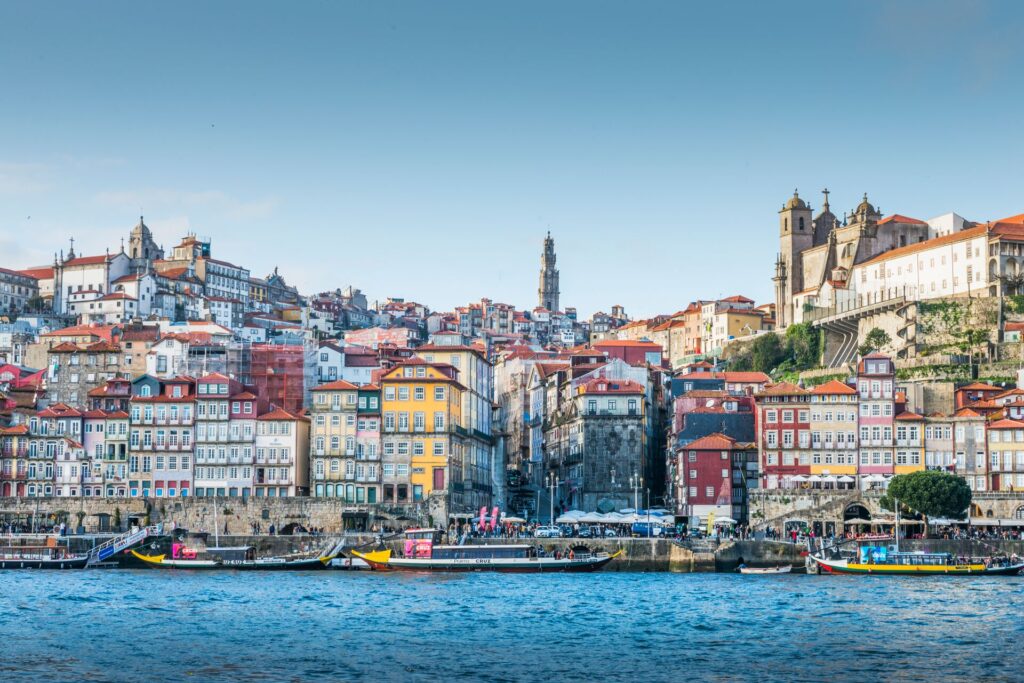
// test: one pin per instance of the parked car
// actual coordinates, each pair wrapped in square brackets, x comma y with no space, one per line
[587,532]
[547,532]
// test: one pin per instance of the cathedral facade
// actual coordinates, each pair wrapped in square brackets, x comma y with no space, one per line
[817,254]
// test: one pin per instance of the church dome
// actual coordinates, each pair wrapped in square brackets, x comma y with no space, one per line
[865,206]
[795,202]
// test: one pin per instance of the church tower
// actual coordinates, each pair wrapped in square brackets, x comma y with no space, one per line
[141,248]
[548,292]
[796,233]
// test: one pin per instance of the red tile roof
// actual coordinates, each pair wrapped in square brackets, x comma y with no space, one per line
[951,238]
[909,416]
[41,273]
[739,299]
[711,442]
[979,386]
[743,377]
[601,385]
[281,414]
[1006,424]
[87,261]
[783,389]
[897,218]
[625,343]
[102,331]
[339,385]
[834,387]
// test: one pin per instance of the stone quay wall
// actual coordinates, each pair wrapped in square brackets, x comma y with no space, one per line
[233,515]
[773,507]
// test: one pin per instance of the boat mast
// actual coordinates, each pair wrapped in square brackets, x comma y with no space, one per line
[897,524]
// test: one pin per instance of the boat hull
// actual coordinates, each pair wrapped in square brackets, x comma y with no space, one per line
[382,561]
[306,564]
[755,571]
[65,563]
[841,567]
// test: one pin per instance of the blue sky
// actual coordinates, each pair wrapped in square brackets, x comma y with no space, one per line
[423,149]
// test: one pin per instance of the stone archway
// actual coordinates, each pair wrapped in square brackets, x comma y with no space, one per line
[856,511]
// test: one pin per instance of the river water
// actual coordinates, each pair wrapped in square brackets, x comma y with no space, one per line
[114,625]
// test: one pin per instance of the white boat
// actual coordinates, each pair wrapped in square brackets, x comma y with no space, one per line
[784,569]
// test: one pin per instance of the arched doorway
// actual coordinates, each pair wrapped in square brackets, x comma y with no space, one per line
[856,511]
[976,510]
[1019,513]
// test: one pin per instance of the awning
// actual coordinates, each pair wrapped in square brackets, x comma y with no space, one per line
[798,477]
[995,521]
[858,521]
[945,521]
[846,480]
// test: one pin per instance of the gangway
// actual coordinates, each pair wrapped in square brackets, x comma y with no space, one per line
[116,544]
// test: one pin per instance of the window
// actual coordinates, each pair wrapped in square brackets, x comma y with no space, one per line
[438,393]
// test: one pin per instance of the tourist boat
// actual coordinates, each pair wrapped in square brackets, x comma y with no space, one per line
[240,558]
[878,560]
[766,570]
[885,561]
[423,553]
[50,555]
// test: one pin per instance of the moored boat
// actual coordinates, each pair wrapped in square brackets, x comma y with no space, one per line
[786,569]
[240,558]
[40,558]
[424,554]
[917,564]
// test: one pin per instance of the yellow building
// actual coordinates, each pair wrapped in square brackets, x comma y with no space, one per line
[423,437]
[475,373]
[909,443]
[833,429]
[1006,455]
[332,439]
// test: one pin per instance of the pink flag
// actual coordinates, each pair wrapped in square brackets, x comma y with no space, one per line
[483,518]
[494,518]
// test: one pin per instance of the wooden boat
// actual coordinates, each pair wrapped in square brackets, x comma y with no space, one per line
[423,554]
[917,564]
[884,561]
[786,569]
[40,557]
[240,558]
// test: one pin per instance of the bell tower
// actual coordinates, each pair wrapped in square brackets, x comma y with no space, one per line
[142,249]
[547,293]
[796,233]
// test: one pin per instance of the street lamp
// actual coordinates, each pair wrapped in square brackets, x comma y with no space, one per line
[552,483]
[636,483]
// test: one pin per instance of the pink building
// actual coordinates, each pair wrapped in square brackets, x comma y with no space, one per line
[876,389]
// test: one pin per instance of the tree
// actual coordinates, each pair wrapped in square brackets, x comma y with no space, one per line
[875,340]
[803,344]
[931,493]
[766,352]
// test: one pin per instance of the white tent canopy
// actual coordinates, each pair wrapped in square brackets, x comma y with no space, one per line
[799,477]
[845,479]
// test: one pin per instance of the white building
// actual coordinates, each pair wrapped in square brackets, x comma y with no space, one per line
[282,455]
